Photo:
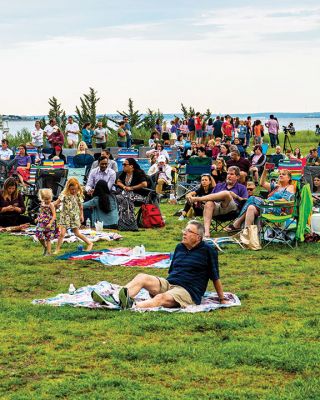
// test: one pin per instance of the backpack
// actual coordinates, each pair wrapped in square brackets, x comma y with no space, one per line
[127,221]
[149,216]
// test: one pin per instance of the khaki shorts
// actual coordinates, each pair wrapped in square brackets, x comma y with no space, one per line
[219,210]
[179,294]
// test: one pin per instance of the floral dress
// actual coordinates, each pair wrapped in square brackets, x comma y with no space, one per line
[70,211]
[43,232]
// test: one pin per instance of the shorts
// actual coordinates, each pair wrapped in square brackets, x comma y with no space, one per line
[199,133]
[219,210]
[179,294]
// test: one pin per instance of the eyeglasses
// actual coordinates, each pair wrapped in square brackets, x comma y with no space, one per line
[186,230]
[124,164]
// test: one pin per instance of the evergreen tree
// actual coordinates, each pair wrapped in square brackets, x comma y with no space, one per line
[133,116]
[187,113]
[207,114]
[88,108]
[57,112]
[149,121]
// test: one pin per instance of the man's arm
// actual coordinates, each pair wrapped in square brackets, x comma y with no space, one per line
[112,179]
[90,185]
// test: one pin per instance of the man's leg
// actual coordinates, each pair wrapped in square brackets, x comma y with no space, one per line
[160,300]
[207,217]
[243,177]
[143,281]
[159,187]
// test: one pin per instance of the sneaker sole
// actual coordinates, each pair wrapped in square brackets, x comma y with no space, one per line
[124,299]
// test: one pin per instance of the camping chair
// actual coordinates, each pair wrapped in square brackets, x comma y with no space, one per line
[220,222]
[82,165]
[294,166]
[290,227]
[189,181]
[5,169]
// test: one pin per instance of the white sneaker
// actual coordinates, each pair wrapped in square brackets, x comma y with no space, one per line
[181,218]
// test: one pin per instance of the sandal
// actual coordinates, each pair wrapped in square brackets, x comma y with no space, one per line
[231,228]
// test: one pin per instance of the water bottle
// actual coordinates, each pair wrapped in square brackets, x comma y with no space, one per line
[142,251]
[88,223]
[72,289]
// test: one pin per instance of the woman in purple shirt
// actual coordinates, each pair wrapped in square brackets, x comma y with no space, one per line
[24,163]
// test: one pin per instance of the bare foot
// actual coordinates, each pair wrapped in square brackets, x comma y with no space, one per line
[89,247]
[56,252]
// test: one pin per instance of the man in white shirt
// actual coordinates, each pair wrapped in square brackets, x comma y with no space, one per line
[5,152]
[48,130]
[72,132]
[101,172]
[101,136]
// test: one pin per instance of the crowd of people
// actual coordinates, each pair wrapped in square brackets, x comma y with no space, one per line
[107,197]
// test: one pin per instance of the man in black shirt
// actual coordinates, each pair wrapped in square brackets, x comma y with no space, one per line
[217,132]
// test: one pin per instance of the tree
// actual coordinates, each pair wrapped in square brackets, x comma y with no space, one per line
[149,121]
[207,114]
[57,113]
[88,108]
[187,113]
[133,116]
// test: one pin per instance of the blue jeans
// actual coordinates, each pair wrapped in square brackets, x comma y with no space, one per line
[272,139]
[122,144]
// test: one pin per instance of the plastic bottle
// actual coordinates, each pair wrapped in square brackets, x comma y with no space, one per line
[88,223]
[72,289]
[142,251]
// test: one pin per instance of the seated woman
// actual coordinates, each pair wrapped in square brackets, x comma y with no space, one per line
[219,170]
[57,154]
[103,205]
[316,190]
[224,152]
[23,164]
[254,206]
[154,139]
[257,161]
[131,184]
[82,148]
[158,151]
[207,183]
[180,142]
[12,206]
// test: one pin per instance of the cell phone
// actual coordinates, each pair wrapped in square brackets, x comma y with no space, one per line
[270,165]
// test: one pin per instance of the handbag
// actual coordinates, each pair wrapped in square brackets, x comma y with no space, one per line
[249,237]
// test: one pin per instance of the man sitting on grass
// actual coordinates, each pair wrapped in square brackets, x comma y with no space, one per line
[194,262]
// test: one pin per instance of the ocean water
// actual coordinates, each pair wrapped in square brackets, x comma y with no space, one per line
[299,123]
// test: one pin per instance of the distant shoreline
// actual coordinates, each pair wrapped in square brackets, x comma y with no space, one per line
[12,117]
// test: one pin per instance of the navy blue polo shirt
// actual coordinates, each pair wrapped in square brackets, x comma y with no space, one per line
[192,269]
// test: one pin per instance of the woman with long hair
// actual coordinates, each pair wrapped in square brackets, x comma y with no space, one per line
[254,206]
[103,206]
[207,183]
[12,206]
[219,171]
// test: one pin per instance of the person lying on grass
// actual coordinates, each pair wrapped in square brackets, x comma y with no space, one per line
[194,262]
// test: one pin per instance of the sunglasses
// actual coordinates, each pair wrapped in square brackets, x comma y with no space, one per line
[206,175]
[124,164]
[250,189]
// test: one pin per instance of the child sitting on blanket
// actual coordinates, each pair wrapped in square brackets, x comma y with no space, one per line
[71,214]
[46,229]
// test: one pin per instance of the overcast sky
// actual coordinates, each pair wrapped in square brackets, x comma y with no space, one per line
[230,56]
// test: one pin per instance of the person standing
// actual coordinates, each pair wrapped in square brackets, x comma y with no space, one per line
[37,136]
[101,136]
[127,128]
[122,136]
[227,128]
[72,133]
[49,129]
[273,128]
[217,125]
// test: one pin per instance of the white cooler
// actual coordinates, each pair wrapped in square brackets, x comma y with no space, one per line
[315,223]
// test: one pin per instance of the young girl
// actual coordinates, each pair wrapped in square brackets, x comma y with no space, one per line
[71,214]
[46,222]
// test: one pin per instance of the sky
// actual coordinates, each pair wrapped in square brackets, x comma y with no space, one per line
[228,56]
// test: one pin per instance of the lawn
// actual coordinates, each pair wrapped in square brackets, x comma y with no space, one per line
[268,348]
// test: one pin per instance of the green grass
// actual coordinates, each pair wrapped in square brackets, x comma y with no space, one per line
[266,349]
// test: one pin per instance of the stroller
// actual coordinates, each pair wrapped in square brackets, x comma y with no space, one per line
[54,179]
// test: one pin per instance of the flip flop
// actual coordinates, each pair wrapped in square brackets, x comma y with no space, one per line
[231,228]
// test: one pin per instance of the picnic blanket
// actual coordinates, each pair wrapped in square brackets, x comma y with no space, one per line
[91,234]
[82,298]
[121,256]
